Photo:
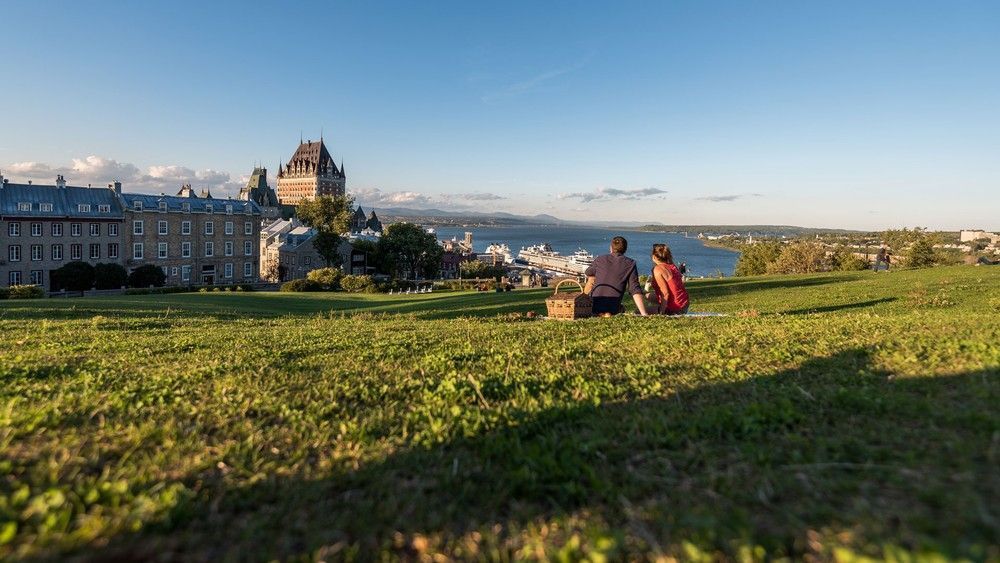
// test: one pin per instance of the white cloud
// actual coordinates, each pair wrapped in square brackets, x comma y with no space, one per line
[725,198]
[601,194]
[171,172]
[29,168]
[97,167]
[377,197]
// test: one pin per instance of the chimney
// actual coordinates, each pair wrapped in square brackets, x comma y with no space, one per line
[60,181]
[118,187]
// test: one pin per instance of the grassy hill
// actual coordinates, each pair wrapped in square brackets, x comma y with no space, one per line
[830,415]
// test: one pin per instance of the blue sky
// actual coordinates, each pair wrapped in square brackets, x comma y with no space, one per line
[839,114]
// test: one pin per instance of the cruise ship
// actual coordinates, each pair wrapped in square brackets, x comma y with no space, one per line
[543,257]
[497,253]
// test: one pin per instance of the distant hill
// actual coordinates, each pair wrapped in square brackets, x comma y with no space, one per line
[756,230]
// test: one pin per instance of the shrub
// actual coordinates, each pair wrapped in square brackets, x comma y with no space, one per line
[75,276]
[755,259]
[4,293]
[843,260]
[799,258]
[147,275]
[301,285]
[326,278]
[110,276]
[26,292]
[921,253]
[358,284]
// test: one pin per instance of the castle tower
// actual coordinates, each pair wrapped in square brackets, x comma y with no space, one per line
[310,173]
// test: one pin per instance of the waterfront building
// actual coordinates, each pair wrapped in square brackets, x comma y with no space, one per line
[310,173]
[195,240]
[44,227]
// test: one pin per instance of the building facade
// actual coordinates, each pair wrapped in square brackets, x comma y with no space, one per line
[310,173]
[258,191]
[195,240]
[42,228]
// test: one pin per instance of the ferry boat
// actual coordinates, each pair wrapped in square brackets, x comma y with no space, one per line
[543,257]
[499,253]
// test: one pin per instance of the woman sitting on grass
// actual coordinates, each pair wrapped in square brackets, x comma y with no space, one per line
[668,285]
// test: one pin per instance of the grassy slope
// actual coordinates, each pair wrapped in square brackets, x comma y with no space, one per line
[852,413]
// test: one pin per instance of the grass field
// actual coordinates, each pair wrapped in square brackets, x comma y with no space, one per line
[829,416]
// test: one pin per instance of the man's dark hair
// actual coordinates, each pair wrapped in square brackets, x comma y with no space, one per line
[619,245]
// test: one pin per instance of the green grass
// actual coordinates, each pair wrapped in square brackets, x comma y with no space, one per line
[829,416]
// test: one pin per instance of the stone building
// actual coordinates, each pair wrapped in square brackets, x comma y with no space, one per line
[44,227]
[287,251]
[310,173]
[258,191]
[196,240]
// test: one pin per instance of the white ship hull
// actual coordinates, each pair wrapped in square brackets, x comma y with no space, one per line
[542,257]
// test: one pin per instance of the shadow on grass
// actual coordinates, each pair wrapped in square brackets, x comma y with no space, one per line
[842,307]
[710,289]
[833,452]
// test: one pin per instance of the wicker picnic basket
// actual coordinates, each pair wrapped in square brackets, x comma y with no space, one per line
[569,305]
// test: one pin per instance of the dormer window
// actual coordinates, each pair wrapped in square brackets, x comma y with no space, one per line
[104,208]
[229,209]
[24,206]
[137,205]
[163,206]
[45,207]
[208,208]
[186,206]
[83,207]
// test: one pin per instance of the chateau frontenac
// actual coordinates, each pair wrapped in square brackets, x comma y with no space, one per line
[310,173]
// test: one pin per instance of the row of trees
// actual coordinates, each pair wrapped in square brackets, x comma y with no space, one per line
[405,250]
[81,276]
[805,257]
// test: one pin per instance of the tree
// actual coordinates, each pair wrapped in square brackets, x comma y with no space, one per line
[843,260]
[74,276]
[799,258]
[409,251]
[330,216]
[921,253]
[373,255]
[755,258]
[110,276]
[147,275]
[479,269]
[327,278]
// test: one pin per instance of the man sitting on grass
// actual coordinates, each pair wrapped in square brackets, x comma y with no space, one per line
[609,276]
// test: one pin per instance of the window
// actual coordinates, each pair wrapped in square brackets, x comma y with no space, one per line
[14,230]
[247,270]
[36,277]
[95,229]
[137,227]
[165,272]
[248,228]
[162,206]
[209,228]
[186,228]
[113,250]
[186,207]
[161,227]
[14,253]
[173,271]
[113,229]
[161,250]
[104,208]
[229,248]
[209,208]
[248,248]
[137,205]
[15,278]
[76,252]
[209,249]
[83,207]
[57,229]
[75,229]
[23,206]
[45,207]
[36,229]
[229,209]
[227,271]
[307,260]
[185,250]
[57,251]
[185,273]
[95,251]
[137,251]
[36,253]
[229,227]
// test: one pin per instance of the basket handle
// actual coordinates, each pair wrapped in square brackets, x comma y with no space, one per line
[564,280]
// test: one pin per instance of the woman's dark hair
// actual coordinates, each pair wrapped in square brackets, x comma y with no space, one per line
[662,253]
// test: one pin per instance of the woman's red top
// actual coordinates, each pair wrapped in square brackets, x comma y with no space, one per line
[670,292]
